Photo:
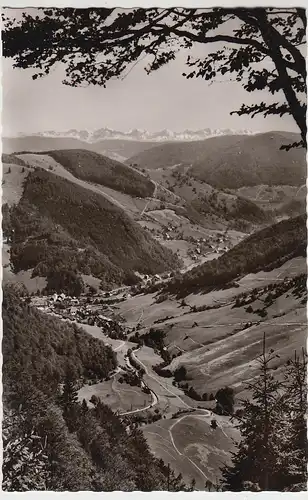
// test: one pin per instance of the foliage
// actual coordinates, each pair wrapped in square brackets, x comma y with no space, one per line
[51,440]
[180,373]
[38,348]
[65,281]
[162,371]
[25,465]
[69,401]
[6,220]
[273,452]
[214,424]
[155,338]
[67,467]
[263,52]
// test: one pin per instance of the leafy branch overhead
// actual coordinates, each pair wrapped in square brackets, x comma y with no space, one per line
[261,47]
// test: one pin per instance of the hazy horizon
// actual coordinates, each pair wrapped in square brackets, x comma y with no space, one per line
[163,100]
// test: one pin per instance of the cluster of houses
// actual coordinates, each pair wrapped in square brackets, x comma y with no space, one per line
[147,279]
[81,310]
[218,244]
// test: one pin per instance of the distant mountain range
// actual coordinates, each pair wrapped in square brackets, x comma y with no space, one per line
[140,135]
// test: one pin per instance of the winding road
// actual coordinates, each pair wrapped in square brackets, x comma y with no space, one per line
[151,375]
[205,412]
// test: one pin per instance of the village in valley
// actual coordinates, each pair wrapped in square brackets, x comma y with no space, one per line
[154,249]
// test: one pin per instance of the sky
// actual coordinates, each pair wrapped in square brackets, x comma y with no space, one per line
[162,100]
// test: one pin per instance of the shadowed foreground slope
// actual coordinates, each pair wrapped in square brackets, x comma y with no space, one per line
[83,448]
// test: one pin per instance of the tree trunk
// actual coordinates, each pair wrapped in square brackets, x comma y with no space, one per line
[297,110]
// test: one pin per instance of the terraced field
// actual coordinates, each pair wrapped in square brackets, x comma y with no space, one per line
[216,336]
[219,344]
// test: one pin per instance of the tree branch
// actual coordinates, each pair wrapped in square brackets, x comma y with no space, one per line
[213,39]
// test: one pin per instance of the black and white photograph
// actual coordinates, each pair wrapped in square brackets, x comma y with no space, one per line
[154,322]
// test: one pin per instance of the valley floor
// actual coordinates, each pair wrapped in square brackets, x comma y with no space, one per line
[217,343]
[216,336]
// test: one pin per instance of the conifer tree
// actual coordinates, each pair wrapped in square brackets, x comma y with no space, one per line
[273,452]
[69,402]
[225,401]
[294,436]
[256,458]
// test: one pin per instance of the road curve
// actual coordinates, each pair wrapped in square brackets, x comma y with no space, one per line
[207,412]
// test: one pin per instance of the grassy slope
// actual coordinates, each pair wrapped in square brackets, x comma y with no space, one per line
[263,248]
[256,159]
[218,348]
[13,176]
[192,447]
[57,217]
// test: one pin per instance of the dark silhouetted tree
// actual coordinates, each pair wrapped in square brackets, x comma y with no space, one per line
[260,47]
[272,453]
[225,401]
[214,424]
[69,402]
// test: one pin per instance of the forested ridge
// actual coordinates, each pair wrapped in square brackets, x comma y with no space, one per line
[96,168]
[50,440]
[250,161]
[232,161]
[60,226]
[266,249]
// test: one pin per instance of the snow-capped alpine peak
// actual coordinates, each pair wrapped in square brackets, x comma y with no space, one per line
[165,135]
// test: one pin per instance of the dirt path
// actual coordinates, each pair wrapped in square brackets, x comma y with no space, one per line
[181,454]
[120,346]
[152,198]
[299,189]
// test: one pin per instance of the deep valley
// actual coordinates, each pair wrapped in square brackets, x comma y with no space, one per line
[172,278]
